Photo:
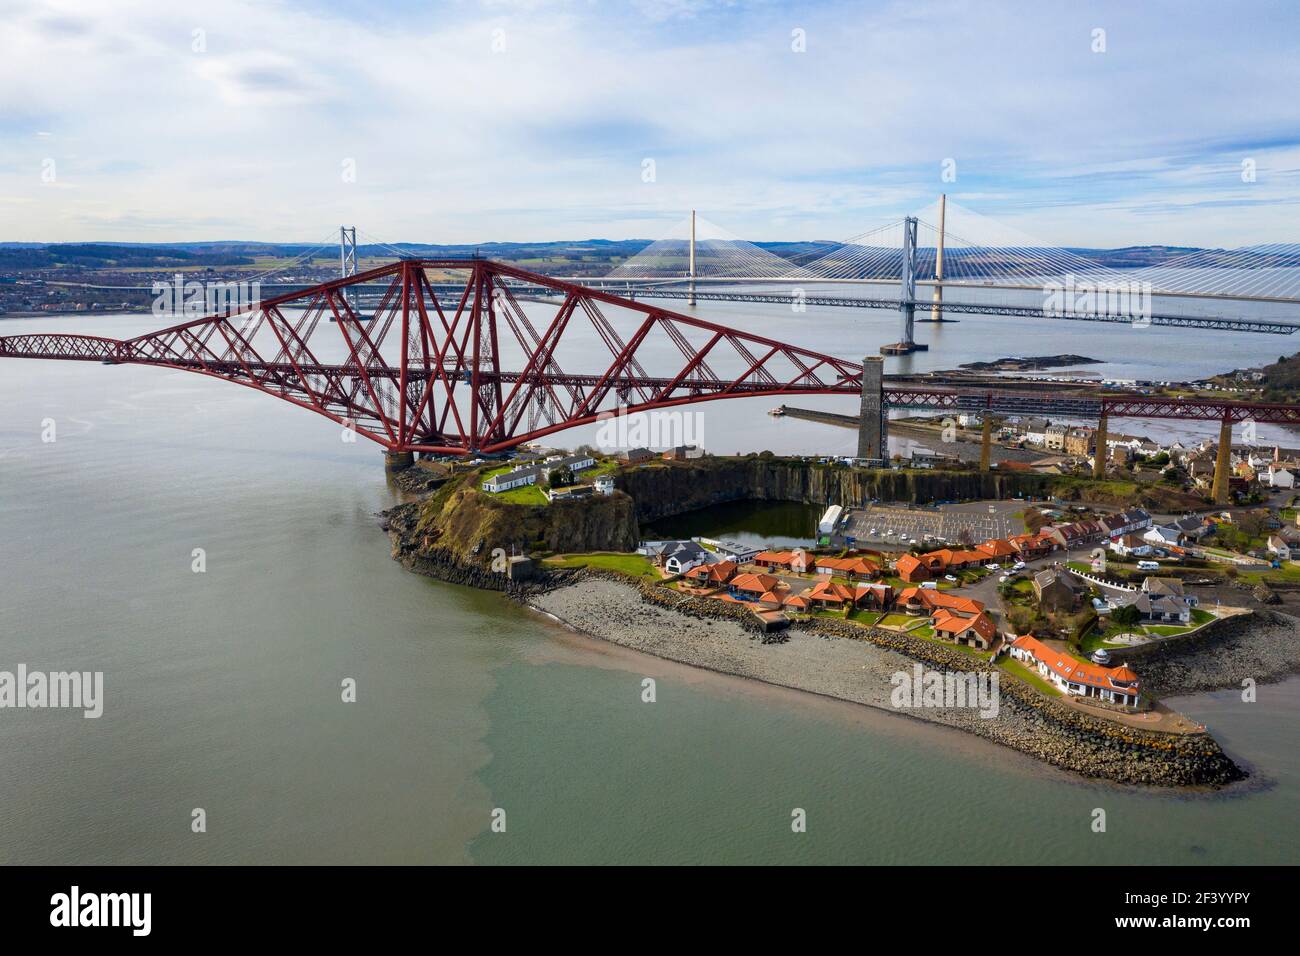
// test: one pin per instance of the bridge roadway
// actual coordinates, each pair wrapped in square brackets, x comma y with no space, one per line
[371,292]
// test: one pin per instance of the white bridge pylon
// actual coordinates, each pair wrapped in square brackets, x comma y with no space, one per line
[978,251]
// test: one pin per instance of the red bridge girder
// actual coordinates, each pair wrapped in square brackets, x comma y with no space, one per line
[423,373]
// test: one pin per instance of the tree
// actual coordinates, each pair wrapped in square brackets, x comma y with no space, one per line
[1125,615]
[560,477]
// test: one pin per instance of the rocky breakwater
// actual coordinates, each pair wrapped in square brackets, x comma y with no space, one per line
[841,660]
[1052,731]
[1262,646]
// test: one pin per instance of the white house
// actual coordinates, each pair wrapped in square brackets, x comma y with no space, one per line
[1036,431]
[1276,477]
[511,479]
[1277,546]
[1118,685]
[1163,535]
[604,485]
[680,556]
[731,551]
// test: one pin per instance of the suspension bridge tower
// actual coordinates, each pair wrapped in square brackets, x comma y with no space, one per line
[907,295]
[936,308]
[691,299]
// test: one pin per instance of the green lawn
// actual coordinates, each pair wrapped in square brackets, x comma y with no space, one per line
[636,565]
[865,618]
[533,494]
[1200,617]
[925,630]
[897,620]
[1287,574]
[1017,669]
[1166,630]
[525,495]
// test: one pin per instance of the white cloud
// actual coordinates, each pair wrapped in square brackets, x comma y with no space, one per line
[454,141]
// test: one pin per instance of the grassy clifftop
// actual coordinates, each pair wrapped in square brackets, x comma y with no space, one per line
[469,523]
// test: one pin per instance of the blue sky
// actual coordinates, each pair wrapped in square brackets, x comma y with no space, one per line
[491,120]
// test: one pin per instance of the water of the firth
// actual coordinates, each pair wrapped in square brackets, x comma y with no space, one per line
[223,688]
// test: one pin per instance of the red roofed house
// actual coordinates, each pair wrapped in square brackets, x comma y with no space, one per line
[782,560]
[831,594]
[996,548]
[751,586]
[928,600]
[977,631]
[1119,685]
[874,595]
[851,568]
[911,569]
[712,575]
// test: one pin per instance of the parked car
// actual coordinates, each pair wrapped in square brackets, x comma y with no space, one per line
[950,577]
[928,586]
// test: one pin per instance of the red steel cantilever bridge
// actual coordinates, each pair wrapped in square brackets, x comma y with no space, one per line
[424,370]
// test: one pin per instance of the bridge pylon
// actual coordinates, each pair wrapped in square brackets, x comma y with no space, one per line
[907,295]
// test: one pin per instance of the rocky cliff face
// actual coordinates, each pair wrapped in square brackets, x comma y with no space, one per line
[661,491]
[463,524]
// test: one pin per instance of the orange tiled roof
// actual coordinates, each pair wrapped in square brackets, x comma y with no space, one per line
[1078,672]
[996,547]
[848,565]
[907,563]
[830,591]
[720,572]
[934,599]
[950,623]
[754,583]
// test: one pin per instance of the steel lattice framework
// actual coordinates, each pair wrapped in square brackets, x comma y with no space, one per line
[423,371]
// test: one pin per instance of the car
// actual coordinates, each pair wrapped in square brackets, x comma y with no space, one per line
[950,577]
[1004,577]
[928,585]
[994,567]
[1018,566]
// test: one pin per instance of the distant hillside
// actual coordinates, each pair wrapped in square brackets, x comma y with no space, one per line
[1282,379]
[96,256]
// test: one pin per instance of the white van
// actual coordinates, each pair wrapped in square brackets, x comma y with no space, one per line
[928,586]
[1148,566]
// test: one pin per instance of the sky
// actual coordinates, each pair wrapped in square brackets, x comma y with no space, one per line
[1079,124]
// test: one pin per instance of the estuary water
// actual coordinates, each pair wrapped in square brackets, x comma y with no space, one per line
[223,688]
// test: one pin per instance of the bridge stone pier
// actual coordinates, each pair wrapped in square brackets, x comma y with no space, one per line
[873,426]
[398,460]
